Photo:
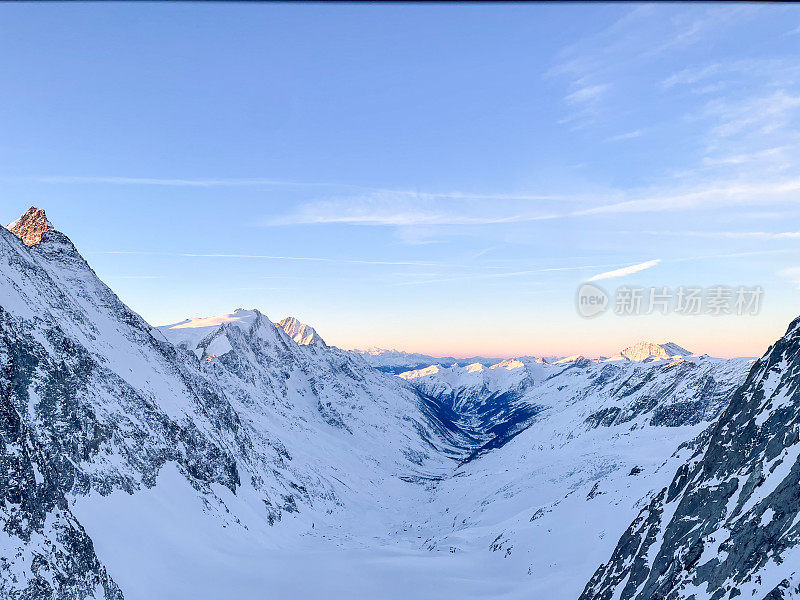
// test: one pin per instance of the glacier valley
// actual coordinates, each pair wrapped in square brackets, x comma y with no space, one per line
[232,456]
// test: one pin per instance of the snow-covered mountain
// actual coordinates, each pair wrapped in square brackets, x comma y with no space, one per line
[651,351]
[397,361]
[225,456]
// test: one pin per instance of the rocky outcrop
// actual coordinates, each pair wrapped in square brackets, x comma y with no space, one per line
[30,226]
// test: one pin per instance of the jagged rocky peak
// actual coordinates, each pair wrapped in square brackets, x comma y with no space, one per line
[649,350]
[511,363]
[303,334]
[569,359]
[30,226]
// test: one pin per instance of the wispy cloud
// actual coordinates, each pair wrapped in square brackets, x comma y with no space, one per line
[755,115]
[482,252]
[626,136]
[389,209]
[733,70]
[753,235]
[265,182]
[504,275]
[637,38]
[167,181]
[744,158]
[275,257]
[587,94]
[629,270]
[706,197]
[735,255]
[584,102]
[312,259]
[134,277]
[405,218]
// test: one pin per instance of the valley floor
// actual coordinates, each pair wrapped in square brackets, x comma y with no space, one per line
[451,539]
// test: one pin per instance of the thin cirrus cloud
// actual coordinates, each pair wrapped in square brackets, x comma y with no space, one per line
[399,210]
[508,274]
[276,257]
[265,182]
[384,207]
[639,36]
[317,259]
[752,235]
[629,270]
[164,181]
[136,276]
[587,94]
[626,136]
[406,218]
[706,197]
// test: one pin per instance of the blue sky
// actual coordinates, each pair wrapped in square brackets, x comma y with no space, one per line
[435,178]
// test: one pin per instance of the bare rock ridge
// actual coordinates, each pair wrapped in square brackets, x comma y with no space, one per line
[30,226]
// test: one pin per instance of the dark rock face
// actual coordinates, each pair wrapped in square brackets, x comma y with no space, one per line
[670,395]
[729,523]
[59,556]
[69,424]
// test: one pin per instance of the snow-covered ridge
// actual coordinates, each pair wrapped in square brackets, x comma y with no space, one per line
[651,351]
[641,352]
[301,333]
[398,361]
[190,333]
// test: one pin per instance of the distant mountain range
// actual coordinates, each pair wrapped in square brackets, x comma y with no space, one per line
[396,361]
